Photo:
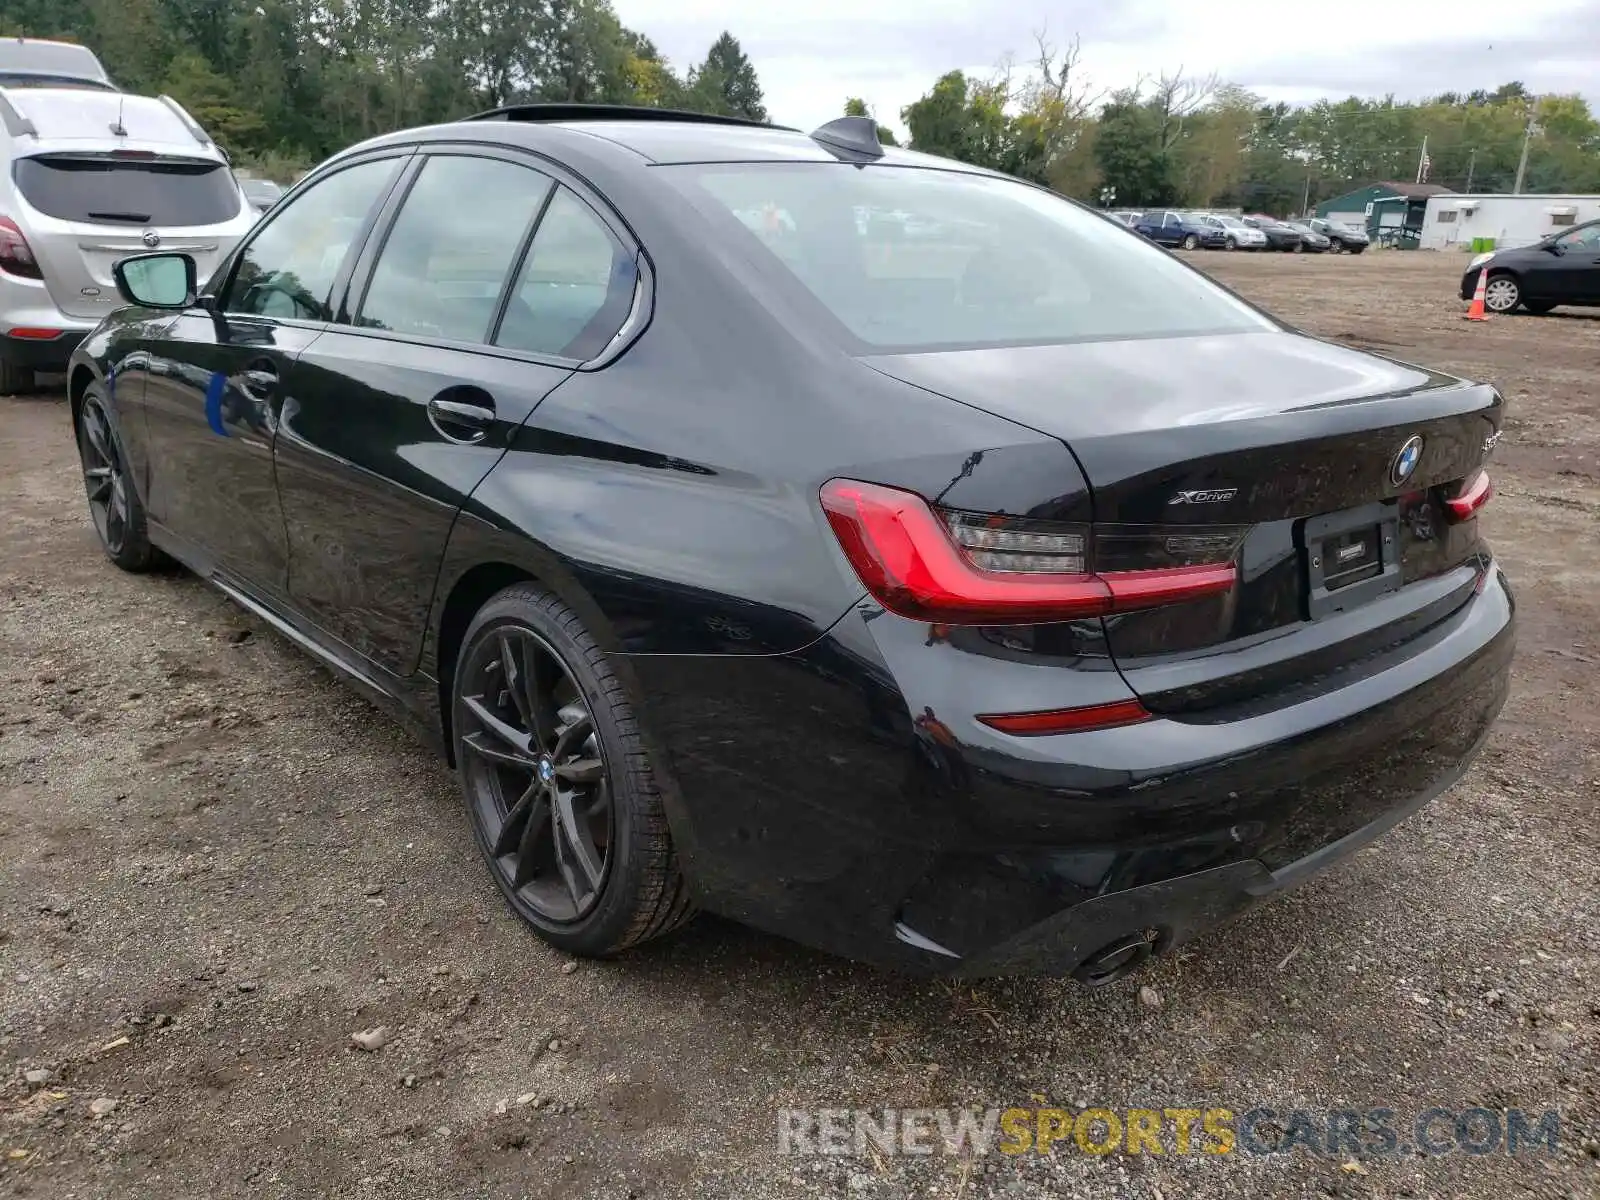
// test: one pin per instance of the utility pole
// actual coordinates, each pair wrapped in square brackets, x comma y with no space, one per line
[1522,163]
[1471,163]
[1422,159]
[1305,197]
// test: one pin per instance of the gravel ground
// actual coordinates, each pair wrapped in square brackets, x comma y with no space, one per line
[217,864]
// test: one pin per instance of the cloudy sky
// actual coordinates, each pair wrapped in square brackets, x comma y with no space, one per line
[811,54]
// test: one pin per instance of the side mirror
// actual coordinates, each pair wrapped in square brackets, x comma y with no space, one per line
[1555,248]
[157,280]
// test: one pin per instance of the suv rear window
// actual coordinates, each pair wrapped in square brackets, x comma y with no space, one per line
[106,191]
[918,259]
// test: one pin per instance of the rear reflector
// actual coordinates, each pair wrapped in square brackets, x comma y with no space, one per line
[38,335]
[1068,720]
[984,569]
[1475,492]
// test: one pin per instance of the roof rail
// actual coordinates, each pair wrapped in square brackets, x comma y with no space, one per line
[17,125]
[189,122]
[856,136]
[612,112]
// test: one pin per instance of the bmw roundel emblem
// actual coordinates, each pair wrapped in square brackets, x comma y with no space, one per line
[1406,461]
[151,238]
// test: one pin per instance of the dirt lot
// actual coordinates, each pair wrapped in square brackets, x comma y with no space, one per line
[217,864]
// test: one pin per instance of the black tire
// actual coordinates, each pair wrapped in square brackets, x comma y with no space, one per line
[1335,246]
[619,876]
[16,380]
[1230,243]
[1191,242]
[1538,307]
[1355,249]
[114,504]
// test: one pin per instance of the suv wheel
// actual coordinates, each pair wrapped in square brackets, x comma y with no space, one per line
[1191,242]
[114,503]
[1335,246]
[15,380]
[560,792]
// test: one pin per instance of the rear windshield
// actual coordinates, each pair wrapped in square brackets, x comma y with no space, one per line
[916,259]
[106,191]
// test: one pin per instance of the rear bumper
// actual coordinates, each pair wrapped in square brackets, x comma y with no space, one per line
[811,804]
[41,354]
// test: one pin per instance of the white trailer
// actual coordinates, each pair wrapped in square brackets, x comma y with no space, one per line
[1451,222]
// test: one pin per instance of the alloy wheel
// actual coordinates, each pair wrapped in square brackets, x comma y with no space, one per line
[1501,295]
[536,775]
[105,477]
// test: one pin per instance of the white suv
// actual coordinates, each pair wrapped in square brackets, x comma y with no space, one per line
[88,177]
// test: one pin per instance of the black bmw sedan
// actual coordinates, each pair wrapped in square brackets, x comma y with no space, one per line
[1006,598]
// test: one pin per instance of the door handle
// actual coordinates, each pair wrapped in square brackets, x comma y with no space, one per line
[461,421]
[259,383]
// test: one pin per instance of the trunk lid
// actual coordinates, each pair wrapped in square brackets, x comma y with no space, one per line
[1293,443]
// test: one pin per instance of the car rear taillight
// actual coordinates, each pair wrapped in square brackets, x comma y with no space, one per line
[16,256]
[1476,491]
[963,568]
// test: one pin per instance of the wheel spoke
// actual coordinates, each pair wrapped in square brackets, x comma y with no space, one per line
[512,675]
[580,770]
[540,682]
[517,820]
[573,736]
[94,426]
[534,830]
[101,478]
[119,498]
[507,733]
[573,834]
[481,745]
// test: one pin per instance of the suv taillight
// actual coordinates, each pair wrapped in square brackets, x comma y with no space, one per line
[16,256]
[963,568]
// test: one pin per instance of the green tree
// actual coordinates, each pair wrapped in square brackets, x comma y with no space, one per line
[726,82]
[1128,150]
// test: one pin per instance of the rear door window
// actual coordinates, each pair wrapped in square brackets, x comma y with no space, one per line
[106,191]
[446,259]
[575,289]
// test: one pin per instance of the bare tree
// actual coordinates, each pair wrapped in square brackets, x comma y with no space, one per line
[1059,79]
[1177,97]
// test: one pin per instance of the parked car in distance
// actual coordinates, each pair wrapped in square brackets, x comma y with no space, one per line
[1563,268]
[1311,240]
[260,194]
[1279,236]
[1125,217]
[39,62]
[1236,235]
[1018,600]
[88,178]
[1168,228]
[1342,239]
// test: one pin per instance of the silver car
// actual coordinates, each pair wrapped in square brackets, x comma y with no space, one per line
[1239,235]
[87,178]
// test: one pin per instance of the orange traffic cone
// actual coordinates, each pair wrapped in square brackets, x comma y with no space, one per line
[1476,311]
